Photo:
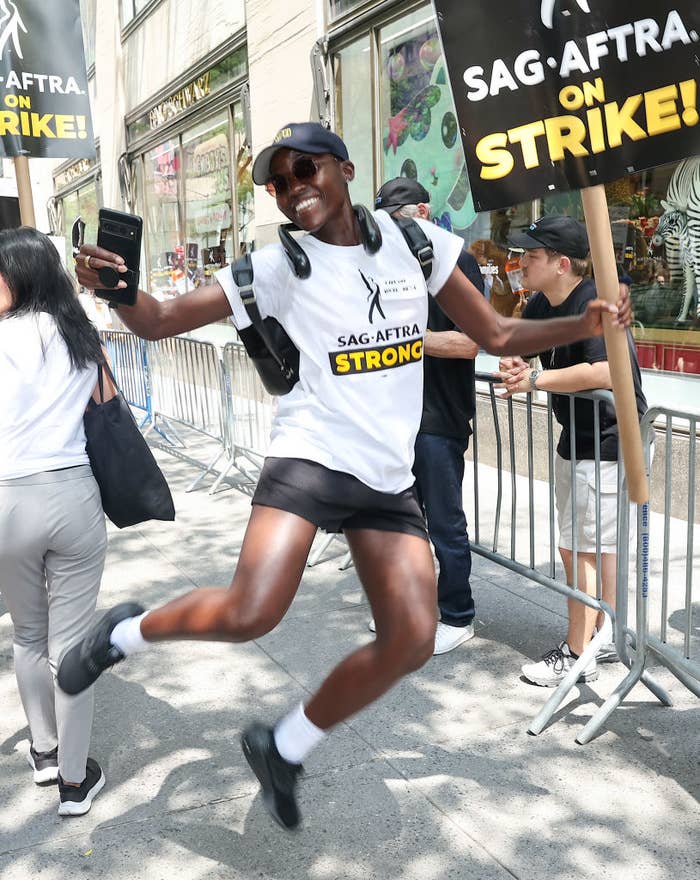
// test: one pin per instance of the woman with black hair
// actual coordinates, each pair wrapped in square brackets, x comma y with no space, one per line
[52,527]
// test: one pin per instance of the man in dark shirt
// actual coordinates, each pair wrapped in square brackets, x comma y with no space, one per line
[449,402]
[555,263]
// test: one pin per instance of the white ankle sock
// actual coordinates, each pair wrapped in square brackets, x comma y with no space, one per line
[296,736]
[126,635]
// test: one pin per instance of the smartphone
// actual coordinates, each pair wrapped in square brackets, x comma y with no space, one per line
[121,234]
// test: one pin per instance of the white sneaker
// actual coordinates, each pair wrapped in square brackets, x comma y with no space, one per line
[447,637]
[555,665]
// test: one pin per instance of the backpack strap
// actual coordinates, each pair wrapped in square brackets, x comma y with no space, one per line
[418,243]
[243,277]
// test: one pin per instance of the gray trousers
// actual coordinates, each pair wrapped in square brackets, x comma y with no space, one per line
[52,551]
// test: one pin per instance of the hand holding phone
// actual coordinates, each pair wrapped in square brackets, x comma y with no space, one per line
[114,261]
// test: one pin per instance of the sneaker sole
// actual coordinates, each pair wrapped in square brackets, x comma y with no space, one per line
[583,678]
[73,808]
[262,774]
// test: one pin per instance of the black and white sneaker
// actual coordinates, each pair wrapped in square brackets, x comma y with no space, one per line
[83,664]
[77,800]
[44,764]
[277,777]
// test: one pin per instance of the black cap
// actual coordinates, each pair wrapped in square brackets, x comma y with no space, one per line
[399,192]
[562,234]
[306,137]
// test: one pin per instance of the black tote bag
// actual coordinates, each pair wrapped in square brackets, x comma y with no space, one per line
[132,486]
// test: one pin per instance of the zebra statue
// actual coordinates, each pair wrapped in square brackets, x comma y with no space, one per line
[679,231]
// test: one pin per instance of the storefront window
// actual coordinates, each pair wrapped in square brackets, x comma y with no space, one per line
[353,97]
[162,217]
[245,210]
[341,7]
[87,15]
[196,220]
[131,8]
[208,198]
[656,232]
[420,136]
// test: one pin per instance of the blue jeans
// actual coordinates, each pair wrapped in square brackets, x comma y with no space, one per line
[439,471]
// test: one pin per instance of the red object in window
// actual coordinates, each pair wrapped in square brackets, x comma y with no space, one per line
[681,358]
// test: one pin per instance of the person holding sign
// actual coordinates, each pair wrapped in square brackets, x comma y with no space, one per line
[555,264]
[342,440]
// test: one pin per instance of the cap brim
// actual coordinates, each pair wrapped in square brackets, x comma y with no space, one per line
[261,165]
[524,241]
[389,208]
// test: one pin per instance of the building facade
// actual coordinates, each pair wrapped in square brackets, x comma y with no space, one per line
[184,93]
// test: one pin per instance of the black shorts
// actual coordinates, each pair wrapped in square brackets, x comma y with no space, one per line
[336,501]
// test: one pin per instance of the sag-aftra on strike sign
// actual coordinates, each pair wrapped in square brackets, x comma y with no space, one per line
[44,103]
[554,95]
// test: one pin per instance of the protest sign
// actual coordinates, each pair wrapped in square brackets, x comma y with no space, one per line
[554,95]
[44,103]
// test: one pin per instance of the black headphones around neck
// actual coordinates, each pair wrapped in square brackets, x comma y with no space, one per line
[370,235]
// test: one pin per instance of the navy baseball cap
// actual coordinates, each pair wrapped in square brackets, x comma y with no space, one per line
[305,137]
[399,192]
[561,234]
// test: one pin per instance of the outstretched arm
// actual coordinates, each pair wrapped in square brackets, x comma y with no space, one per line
[467,308]
[150,318]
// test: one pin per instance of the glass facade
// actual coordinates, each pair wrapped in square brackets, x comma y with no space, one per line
[395,69]
[197,203]
[129,9]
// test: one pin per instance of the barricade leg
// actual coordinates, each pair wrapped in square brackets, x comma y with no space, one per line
[212,464]
[545,714]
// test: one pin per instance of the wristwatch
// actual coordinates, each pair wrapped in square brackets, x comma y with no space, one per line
[534,376]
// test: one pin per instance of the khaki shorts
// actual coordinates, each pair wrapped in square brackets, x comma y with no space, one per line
[583,518]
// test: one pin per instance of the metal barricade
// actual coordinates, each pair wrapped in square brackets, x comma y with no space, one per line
[187,389]
[671,573]
[536,517]
[128,356]
[249,410]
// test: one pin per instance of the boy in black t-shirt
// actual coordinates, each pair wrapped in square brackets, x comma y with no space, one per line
[555,263]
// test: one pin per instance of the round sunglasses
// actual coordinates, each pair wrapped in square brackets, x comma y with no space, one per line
[303,168]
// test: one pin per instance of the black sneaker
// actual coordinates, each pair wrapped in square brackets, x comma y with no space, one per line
[83,664]
[277,777]
[44,764]
[76,801]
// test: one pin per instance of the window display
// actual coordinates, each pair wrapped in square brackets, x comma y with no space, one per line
[189,213]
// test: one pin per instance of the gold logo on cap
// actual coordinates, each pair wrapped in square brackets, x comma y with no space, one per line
[282,134]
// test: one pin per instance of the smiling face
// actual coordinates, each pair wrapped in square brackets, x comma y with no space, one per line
[317,203]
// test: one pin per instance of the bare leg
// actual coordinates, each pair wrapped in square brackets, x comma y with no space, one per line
[398,576]
[581,618]
[274,552]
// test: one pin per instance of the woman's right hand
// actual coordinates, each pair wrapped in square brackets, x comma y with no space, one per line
[90,260]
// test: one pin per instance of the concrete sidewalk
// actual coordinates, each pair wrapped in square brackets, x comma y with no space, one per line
[438,780]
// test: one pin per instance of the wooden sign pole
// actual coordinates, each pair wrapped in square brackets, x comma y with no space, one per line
[24,191]
[595,206]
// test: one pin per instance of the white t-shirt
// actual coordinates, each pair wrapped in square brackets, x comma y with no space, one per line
[358,322]
[42,398]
